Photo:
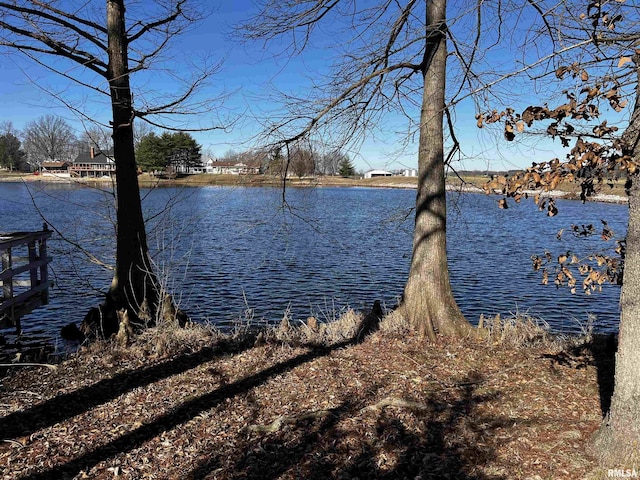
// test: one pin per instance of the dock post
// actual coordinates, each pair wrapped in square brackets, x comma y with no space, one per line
[44,271]
[15,302]
[7,287]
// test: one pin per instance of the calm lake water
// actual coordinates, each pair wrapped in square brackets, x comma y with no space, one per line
[230,252]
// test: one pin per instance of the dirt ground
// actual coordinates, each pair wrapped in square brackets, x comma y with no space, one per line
[391,406]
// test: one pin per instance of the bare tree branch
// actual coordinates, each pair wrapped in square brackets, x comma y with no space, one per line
[59,19]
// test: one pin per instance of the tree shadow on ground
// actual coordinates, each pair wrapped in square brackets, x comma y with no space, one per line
[449,442]
[600,352]
[180,415]
[65,406]
[603,350]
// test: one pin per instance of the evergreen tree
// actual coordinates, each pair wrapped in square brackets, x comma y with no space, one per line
[346,168]
[181,149]
[171,149]
[149,153]
[11,155]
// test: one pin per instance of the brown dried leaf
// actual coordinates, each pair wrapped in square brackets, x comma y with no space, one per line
[607,233]
[536,178]
[560,71]
[623,61]
[592,92]
[542,204]
[537,262]
[631,167]
[611,93]
[532,113]
[492,117]
[509,135]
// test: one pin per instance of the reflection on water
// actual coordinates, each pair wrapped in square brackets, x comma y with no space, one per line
[232,252]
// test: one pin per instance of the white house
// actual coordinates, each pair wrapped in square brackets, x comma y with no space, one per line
[189,169]
[377,173]
[208,168]
[231,168]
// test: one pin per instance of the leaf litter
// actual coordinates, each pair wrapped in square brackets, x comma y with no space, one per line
[392,406]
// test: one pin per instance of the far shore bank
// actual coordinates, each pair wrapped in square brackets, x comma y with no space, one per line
[199,180]
[463,184]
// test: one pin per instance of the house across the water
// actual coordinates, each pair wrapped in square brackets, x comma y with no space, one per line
[231,168]
[377,173]
[60,169]
[93,163]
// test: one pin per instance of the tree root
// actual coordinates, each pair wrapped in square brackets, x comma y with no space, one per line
[282,421]
[46,365]
[395,402]
[13,442]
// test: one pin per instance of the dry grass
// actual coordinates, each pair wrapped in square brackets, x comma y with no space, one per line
[394,324]
[269,180]
[313,332]
[518,331]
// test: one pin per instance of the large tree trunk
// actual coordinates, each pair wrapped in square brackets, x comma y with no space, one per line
[618,440]
[428,301]
[134,286]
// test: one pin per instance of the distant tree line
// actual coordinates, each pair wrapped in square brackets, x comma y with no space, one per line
[46,139]
[300,161]
[50,138]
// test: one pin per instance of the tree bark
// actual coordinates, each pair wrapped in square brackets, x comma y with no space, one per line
[617,443]
[428,301]
[134,286]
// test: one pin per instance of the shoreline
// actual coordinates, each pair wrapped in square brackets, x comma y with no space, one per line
[202,180]
[556,194]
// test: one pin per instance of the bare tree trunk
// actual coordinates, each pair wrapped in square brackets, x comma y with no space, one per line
[134,280]
[428,302]
[617,442]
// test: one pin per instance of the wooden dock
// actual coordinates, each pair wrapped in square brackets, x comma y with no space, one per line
[24,278]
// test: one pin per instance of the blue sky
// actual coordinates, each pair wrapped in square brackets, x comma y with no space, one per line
[248,76]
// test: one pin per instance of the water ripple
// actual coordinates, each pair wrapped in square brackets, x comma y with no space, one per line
[226,250]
